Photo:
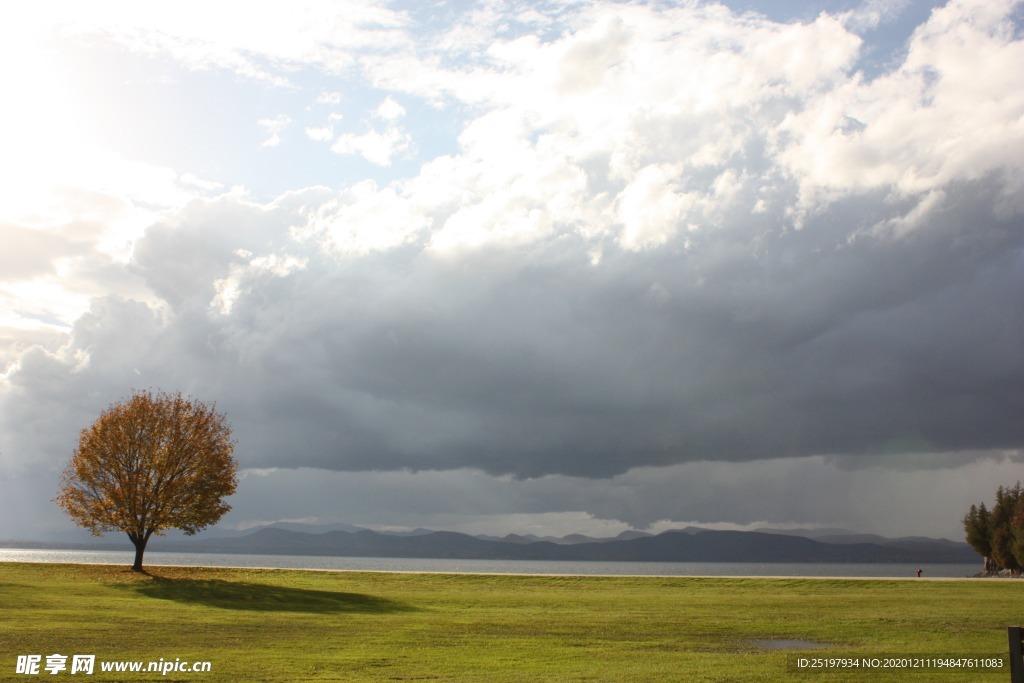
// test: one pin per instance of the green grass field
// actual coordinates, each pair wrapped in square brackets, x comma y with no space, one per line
[283,625]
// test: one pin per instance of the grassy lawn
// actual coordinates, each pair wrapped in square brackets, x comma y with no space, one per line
[284,625]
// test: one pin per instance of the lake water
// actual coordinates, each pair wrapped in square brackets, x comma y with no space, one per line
[397,564]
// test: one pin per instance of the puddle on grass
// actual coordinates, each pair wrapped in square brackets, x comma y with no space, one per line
[786,644]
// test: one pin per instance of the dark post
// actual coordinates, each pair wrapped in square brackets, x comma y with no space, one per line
[1016,655]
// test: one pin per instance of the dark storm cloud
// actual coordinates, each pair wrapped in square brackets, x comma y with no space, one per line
[754,343]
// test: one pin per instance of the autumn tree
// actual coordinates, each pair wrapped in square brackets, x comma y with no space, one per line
[150,463]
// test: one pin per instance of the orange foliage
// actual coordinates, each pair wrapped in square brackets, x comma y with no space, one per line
[150,463]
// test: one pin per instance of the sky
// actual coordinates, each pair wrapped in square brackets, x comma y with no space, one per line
[533,267]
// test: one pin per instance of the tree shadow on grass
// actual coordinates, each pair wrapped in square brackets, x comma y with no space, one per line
[260,597]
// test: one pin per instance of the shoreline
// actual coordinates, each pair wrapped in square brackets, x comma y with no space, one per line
[779,577]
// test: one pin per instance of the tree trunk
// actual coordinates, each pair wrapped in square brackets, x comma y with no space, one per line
[139,541]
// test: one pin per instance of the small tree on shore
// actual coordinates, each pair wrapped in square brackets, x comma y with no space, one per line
[976,524]
[1003,532]
[998,534]
[150,463]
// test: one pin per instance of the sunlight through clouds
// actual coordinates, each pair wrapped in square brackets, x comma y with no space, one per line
[607,263]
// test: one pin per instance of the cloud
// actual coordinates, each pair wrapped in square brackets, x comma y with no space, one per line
[872,13]
[364,219]
[265,46]
[650,210]
[923,126]
[529,360]
[33,252]
[457,319]
[377,147]
[274,127]
[887,498]
[234,285]
[320,133]
[664,240]
[389,110]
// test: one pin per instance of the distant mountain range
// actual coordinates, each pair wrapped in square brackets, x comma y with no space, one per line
[683,545]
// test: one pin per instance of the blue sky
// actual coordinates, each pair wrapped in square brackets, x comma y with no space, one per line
[536,267]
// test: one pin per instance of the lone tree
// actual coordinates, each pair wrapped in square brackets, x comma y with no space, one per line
[150,463]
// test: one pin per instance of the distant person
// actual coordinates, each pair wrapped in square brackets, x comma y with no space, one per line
[919,573]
